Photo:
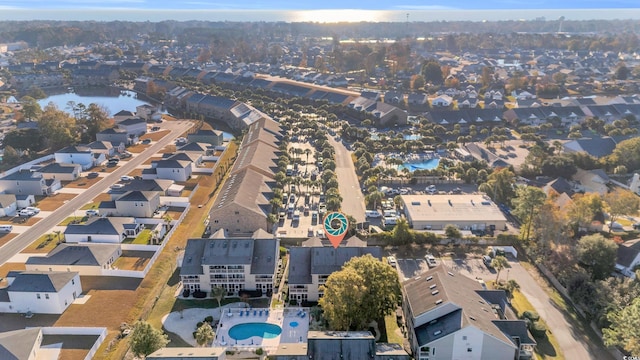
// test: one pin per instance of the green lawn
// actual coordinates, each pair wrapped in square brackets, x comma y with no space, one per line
[93,205]
[548,347]
[391,325]
[143,238]
[70,219]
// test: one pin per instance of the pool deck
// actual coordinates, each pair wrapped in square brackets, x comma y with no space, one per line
[281,317]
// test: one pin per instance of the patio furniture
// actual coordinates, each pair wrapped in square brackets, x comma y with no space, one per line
[267,312]
[255,312]
[241,312]
[303,315]
[260,312]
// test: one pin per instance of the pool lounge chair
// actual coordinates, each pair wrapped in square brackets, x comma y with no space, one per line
[255,312]
[260,313]
[247,313]
[266,312]
[241,313]
[303,315]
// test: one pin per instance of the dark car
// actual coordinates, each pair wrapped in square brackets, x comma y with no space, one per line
[146,141]
[92,175]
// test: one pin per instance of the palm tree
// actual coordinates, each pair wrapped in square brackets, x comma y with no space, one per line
[218,293]
[499,262]
[204,334]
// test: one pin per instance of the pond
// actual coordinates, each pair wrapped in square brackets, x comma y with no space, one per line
[112,99]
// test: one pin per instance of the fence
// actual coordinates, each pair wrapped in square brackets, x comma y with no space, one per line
[100,332]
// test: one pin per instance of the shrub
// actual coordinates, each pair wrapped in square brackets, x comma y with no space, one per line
[209,319]
[199,294]
[250,293]
[199,324]
[186,293]
[194,334]
[531,315]
[259,351]
[538,330]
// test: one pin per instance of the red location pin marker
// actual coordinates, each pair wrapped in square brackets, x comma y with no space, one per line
[335,227]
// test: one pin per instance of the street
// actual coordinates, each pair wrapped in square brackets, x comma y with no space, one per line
[574,343]
[43,226]
[352,198]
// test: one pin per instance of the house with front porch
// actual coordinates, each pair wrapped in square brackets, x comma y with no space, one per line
[233,263]
[103,230]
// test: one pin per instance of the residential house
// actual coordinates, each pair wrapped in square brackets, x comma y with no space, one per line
[133,126]
[103,147]
[628,258]
[39,292]
[23,344]
[596,147]
[558,186]
[103,230]
[117,137]
[450,316]
[442,101]
[213,137]
[146,112]
[123,115]
[340,345]
[170,168]
[190,353]
[161,186]
[24,182]
[417,99]
[384,114]
[311,264]
[595,181]
[137,204]
[233,263]
[61,171]
[8,205]
[86,259]
[80,154]
[90,77]
[25,200]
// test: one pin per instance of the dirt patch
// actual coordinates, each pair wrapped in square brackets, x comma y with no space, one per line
[21,220]
[156,135]
[131,263]
[82,183]
[6,267]
[6,237]
[109,283]
[108,308]
[102,197]
[169,149]
[52,203]
[175,215]
[138,148]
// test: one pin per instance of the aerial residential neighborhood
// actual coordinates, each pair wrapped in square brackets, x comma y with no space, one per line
[175,192]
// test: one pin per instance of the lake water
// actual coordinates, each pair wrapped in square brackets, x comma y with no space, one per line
[112,99]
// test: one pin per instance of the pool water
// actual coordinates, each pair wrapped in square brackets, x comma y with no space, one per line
[424,165]
[248,330]
[293,324]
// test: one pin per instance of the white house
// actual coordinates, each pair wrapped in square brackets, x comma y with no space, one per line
[8,205]
[103,230]
[234,264]
[442,101]
[133,126]
[61,171]
[103,147]
[123,115]
[23,344]
[24,182]
[628,258]
[139,204]
[79,154]
[86,259]
[40,292]
[172,169]
[450,316]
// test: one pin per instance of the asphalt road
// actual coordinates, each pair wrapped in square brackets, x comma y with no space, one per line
[352,198]
[23,240]
[573,342]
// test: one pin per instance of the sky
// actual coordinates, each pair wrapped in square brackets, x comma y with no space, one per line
[325,4]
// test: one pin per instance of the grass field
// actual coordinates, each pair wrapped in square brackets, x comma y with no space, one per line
[73,219]
[547,348]
[393,331]
[156,135]
[43,244]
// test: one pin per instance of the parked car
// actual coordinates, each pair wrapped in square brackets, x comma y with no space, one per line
[92,175]
[114,160]
[391,260]
[126,178]
[25,212]
[373,214]
[34,209]
[146,141]
[431,189]
[431,260]
[92,212]
[487,261]
[117,186]
[6,228]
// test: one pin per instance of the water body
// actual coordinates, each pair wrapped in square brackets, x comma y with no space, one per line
[614,11]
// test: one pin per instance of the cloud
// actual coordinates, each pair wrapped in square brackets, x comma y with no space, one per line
[424,7]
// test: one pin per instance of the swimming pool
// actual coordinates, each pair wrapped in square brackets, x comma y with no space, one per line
[423,165]
[248,330]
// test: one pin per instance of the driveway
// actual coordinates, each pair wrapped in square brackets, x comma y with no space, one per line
[574,343]
[44,225]
[348,184]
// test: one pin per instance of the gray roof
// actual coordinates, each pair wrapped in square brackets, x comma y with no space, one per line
[324,260]
[259,253]
[39,281]
[171,164]
[132,121]
[596,147]
[101,226]
[23,175]
[148,185]
[80,255]
[341,345]
[74,149]
[515,329]
[627,252]
[246,188]
[138,196]
[19,344]
[59,168]
[7,200]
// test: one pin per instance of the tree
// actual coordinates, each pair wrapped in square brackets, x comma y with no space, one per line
[452,232]
[365,289]
[499,186]
[597,254]
[582,210]
[145,339]
[499,262]
[625,328]
[59,127]
[204,334]
[30,107]
[10,155]
[527,204]
[342,295]
[401,233]
[627,153]
[620,202]
[432,72]
[218,293]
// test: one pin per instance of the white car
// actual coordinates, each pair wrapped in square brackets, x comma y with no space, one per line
[25,212]
[373,214]
[391,260]
[34,209]
[431,189]
[117,186]
[126,178]
[92,212]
